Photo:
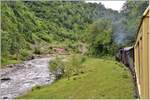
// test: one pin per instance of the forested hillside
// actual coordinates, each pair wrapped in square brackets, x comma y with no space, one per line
[35,27]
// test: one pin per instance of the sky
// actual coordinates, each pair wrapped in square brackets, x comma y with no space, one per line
[113,4]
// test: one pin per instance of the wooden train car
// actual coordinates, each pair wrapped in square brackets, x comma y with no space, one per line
[126,56]
[142,56]
[129,52]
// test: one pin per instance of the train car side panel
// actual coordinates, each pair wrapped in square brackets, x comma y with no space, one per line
[141,57]
[145,56]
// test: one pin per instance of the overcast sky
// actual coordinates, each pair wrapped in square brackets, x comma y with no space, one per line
[113,4]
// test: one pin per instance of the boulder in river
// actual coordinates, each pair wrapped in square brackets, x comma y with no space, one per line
[5,79]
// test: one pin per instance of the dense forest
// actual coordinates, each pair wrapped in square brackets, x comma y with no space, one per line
[35,27]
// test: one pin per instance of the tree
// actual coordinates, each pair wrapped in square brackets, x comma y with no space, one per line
[100,36]
[16,43]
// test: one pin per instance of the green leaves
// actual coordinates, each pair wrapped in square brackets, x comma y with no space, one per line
[71,66]
[67,23]
[55,64]
[100,37]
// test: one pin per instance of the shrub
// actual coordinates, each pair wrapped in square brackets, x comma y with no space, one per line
[56,66]
[71,67]
[25,54]
[77,63]
[74,65]
[45,37]
[37,50]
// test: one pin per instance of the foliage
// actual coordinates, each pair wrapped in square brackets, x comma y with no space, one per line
[73,65]
[56,64]
[100,38]
[37,50]
[25,54]
[6,61]
[25,24]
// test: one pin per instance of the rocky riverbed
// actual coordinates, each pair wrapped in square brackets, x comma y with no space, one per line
[18,79]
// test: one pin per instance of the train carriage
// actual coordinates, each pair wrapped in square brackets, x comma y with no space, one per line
[126,56]
[142,56]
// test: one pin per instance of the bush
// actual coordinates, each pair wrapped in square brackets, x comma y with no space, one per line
[74,47]
[56,66]
[45,37]
[13,57]
[25,54]
[74,65]
[77,63]
[37,50]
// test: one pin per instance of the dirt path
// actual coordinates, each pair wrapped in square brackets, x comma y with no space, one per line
[21,78]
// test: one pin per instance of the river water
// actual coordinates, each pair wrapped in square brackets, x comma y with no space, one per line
[20,78]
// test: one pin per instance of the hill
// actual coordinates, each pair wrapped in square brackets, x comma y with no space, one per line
[36,27]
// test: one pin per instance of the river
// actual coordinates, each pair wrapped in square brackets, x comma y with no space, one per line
[20,78]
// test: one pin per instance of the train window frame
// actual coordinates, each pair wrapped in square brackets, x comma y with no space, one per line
[138,60]
[141,59]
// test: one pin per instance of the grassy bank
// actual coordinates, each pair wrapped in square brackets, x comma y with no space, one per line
[8,61]
[101,79]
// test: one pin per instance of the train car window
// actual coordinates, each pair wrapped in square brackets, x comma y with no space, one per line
[138,48]
[141,60]
[140,38]
[133,55]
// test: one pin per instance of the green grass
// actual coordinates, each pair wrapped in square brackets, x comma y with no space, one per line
[8,61]
[101,79]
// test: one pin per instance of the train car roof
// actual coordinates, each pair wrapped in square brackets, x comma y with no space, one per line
[128,48]
[146,11]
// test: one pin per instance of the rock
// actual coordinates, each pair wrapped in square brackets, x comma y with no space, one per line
[29,64]
[32,57]
[59,73]
[5,97]
[5,79]
[9,66]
